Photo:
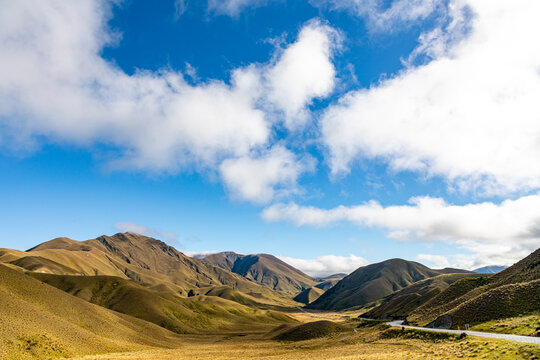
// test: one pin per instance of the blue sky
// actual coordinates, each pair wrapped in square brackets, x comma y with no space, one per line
[330,133]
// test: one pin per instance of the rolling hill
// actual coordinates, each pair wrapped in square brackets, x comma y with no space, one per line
[309,295]
[263,269]
[373,282]
[194,314]
[509,293]
[146,261]
[401,303]
[40,321]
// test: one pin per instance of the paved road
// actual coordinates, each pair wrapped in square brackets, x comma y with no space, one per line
[523,339]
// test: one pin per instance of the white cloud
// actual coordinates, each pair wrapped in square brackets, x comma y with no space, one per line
[326,265]
[56,88]
[435,261]
[383,16]
[470,115]
[170,237]
[260,178]
[495,233]
[56,85]
[199,254]
[233,7]
[304,71]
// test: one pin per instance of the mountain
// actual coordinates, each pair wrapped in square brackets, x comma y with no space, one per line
[195,314]
[333,276]
[401,303]
[146,261]
[372,282]
[511,292]
[40,321]
[327,284]
[309,295]
[263,269]
[492,269]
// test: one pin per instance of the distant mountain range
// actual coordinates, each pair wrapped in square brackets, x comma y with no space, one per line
[155,291]
[492,269]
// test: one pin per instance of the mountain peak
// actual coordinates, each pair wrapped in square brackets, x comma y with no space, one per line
[372,282]
[264,269]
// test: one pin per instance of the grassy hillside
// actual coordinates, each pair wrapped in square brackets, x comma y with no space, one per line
[401,303]
[309,295]
[502,302]
[142,259]
[195,314]
[527,269]
[264,269]
[40,321]
[454,295]
[518,325]
[311,330]
[508,293]
[372,282]
[333,276]
[327,283]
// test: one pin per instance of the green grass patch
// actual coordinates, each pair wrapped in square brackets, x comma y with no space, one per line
[419,335]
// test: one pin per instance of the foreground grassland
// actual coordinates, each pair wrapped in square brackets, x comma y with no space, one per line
[374,343]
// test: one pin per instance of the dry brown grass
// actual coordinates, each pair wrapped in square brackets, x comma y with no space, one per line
[39,321]
[365,344]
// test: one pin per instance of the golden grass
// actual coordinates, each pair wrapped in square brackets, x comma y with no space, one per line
[191,315]
[521,325]
[39,321]
[364,344]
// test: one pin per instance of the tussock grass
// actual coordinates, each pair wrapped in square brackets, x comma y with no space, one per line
[366,344]
[311,330]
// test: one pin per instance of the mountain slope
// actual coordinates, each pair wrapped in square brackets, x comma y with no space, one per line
[40,321]
[142,259]
[263,269]
[403,302]
[327,284]
[309,295]
[510,292]
[181,315]
[372,282]
[502,302]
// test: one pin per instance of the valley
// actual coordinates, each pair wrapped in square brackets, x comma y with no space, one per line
[129,296]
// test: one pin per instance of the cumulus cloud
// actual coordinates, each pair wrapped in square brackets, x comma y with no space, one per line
[291,79]
[56,88]
[435,261]
[494,233]
[469,115]
[386,16]
[327,264]
[56,85]
[170,237]
[259,179]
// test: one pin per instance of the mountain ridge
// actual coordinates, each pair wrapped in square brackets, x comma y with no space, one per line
[263,269]
[373,282]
